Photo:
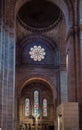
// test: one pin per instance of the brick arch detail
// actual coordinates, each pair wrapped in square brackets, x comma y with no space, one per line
[35,37]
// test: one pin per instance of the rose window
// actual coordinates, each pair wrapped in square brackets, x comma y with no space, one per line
[37,53]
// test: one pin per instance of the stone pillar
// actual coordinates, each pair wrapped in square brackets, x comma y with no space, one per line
[81,75]
[0,61]
[58,87]
[80,11]
[78,63]
[68,116]
[71,70]
[74,58]
[81,55]
[80,106]
[74,73]
[63,86]
[7,66]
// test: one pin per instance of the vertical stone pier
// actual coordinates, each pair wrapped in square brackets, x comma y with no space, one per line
[68,116]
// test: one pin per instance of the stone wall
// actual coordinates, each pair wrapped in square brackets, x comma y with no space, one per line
[63,86]
[7,58]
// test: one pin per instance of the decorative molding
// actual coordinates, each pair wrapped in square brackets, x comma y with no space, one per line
[40,30]
[33,38]
[39,20]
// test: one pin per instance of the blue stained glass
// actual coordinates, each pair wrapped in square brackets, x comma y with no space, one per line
[36,103]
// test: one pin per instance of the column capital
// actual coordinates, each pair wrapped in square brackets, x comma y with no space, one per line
[72,31]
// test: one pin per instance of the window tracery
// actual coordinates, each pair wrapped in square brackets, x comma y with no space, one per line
[37,53]
[36,105]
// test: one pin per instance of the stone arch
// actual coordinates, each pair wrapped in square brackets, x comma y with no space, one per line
[65,6]
[45,81]
[41,78]
[33,37]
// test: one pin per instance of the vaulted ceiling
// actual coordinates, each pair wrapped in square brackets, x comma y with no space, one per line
[41,18]
[38,17]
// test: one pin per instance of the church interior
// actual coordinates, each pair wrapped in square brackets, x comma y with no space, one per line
[40,64]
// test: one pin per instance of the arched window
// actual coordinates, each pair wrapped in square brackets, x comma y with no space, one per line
[44,107]
[36,103]
[27,107]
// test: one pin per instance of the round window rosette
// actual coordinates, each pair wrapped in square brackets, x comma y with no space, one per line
[37,53]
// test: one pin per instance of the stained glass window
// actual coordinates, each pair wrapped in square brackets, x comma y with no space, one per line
[36,103]
[37,53]
[44,107]
[27,107]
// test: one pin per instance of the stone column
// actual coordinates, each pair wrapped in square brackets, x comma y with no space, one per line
[74,65]
[81,75]
[71,70]
[80,9]
[73,51]
[78,63]
[7,65]
[63,86]
[1,32]
[80,106]
[68,116]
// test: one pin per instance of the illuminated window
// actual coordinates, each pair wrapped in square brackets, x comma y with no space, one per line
[36,103]
[37,53]
[44,107]
[67,62]
[27,107]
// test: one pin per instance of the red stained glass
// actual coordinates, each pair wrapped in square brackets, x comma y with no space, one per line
[37,53]
[45,107]
[27,106]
